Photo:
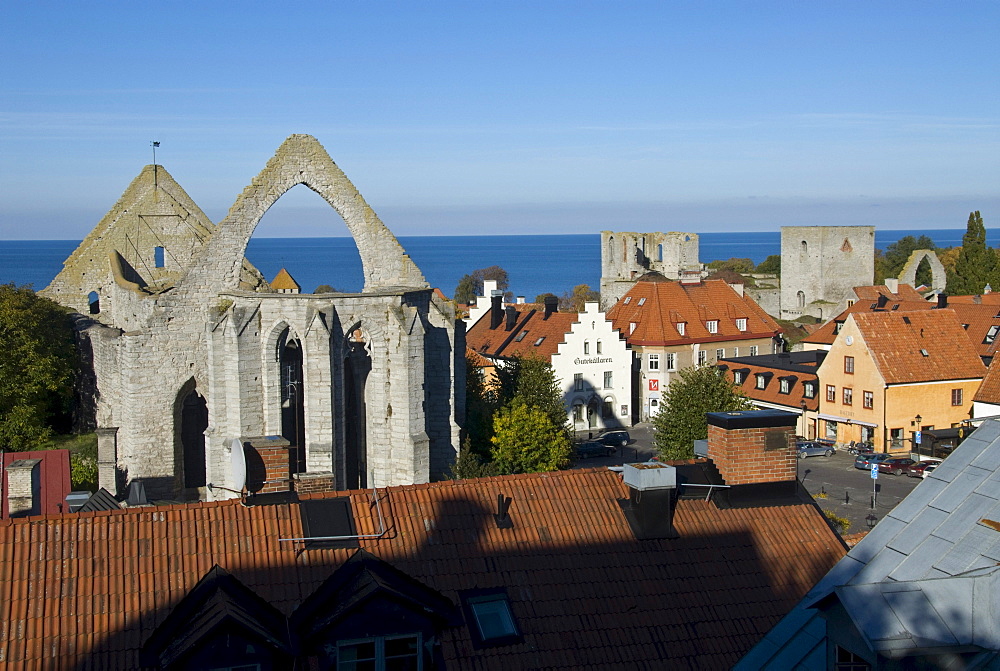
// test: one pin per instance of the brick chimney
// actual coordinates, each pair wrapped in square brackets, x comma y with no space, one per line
[24,496]
[269,466]
[753,446]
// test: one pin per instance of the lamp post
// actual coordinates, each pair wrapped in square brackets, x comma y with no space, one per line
[805,423]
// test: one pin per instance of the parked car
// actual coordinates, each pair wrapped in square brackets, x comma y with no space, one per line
[614,439]
[895,465]
[811,449]
[592,448]
[865,459]
[918,468]
[928,470]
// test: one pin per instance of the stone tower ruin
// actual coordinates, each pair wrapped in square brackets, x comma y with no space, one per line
[820,266]
[191,348]
[627,256]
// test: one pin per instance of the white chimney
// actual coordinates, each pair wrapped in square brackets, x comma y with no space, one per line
[23,488]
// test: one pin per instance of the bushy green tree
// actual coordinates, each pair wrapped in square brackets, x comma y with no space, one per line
[737,265]
[37,367]
[470,464]
[471,285]
[681,419]
[480,405]
[770,265]
[526,440]
[976,265]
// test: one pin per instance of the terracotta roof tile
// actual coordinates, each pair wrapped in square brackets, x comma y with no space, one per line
[284,281]
[989,390]
[656,307]
[530,326]
[919,346]
[587,595]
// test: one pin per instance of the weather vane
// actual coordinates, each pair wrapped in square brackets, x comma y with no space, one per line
[154,144]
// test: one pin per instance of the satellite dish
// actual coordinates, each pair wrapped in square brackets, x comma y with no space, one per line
[239,464]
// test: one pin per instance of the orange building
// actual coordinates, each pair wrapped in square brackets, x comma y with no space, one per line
[890,374]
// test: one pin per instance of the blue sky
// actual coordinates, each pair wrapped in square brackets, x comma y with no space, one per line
[508,117]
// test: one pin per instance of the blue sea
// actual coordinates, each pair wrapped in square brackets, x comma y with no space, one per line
[535,263]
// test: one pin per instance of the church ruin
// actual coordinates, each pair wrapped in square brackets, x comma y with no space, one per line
[192,348]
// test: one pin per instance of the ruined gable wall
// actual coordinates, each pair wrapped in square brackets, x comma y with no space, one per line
[626,256]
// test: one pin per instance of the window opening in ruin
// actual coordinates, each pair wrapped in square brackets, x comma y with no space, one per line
[293,419]
[193,421]
[158,259]
[95,303]
[924,275]
[659,252]
[271,248]
[357,366]
[801,298]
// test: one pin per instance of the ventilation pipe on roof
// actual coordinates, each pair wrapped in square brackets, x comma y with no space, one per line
[883,300]
[551,305]
[511,317]
[496,308]
[649,508]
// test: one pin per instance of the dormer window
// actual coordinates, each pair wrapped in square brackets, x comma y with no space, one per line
[786,386]
[741,324]
[737,377]
[761,381]
[809,389]
[712,326]
[631,327]
[836,327]
[680,327]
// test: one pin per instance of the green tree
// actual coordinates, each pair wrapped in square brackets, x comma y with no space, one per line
[976,265]
[537,387]
[37,367]
[576,301]
[770,265]
[898,253]
[325,289]
[737,265]
[471,285]
[470,464]
[480,405]
[540,298]
[525,440]
[681,419]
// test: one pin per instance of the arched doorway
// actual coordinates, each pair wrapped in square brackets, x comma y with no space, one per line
[357,366]
[193,422]
[293,418]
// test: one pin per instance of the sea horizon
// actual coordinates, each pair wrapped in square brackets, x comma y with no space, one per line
[536,263]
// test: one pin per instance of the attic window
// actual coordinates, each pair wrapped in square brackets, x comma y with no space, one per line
[680,327]
[906,319]
[786,386]
[896,306]
[991,335]
[761,381]
[712,326]
[631,327]
[642,301]
[741,324]
[490,619]
[628,299]
[924,352]
[539,341]
[520,336]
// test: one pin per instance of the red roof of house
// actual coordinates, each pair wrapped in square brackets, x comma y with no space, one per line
[771,393]
[532,334]
[976,318]
[283,280]
[89,589]
[921,346]
[656,305]
[989,390]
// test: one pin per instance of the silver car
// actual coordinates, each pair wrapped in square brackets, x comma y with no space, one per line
[811,449]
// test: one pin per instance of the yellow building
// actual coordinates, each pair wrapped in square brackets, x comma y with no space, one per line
[890,374]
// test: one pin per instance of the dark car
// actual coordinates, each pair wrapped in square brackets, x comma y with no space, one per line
[918,469]
[614,439]
[592,448]
[895,465]
[811,449]
[865,459]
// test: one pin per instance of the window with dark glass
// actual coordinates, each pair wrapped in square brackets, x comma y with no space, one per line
[956,397]
[848,397]
[831,393]
[490,618]
[381,653]
[869,399]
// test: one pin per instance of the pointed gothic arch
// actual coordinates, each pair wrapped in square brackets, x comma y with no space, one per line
[301,159]
[909,273]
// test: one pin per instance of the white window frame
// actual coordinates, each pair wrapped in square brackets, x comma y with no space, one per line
[609,379]
[720,354]
[586,347]
[379,642]
[681,327]
[753,350]
[653,362]
[761,381]
[671,361]
[741,324]
[578,381]
[712,326]
[702,357]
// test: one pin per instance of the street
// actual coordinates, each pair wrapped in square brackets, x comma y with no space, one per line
[833,481]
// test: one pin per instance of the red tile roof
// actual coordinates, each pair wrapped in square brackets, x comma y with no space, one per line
[771,393]
[989,390]
[657,305]
[505,343]
[89,589]
[904,292]
[921,346]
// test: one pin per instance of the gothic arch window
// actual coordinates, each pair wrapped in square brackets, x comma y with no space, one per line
[357,366]
[801,298]
[190,422]
[94,300]
[659,252]
[805,248]
[293,420]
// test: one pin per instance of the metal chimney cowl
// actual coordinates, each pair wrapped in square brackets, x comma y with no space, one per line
[644,477]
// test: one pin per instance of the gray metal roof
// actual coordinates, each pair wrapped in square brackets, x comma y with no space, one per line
[930,555]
